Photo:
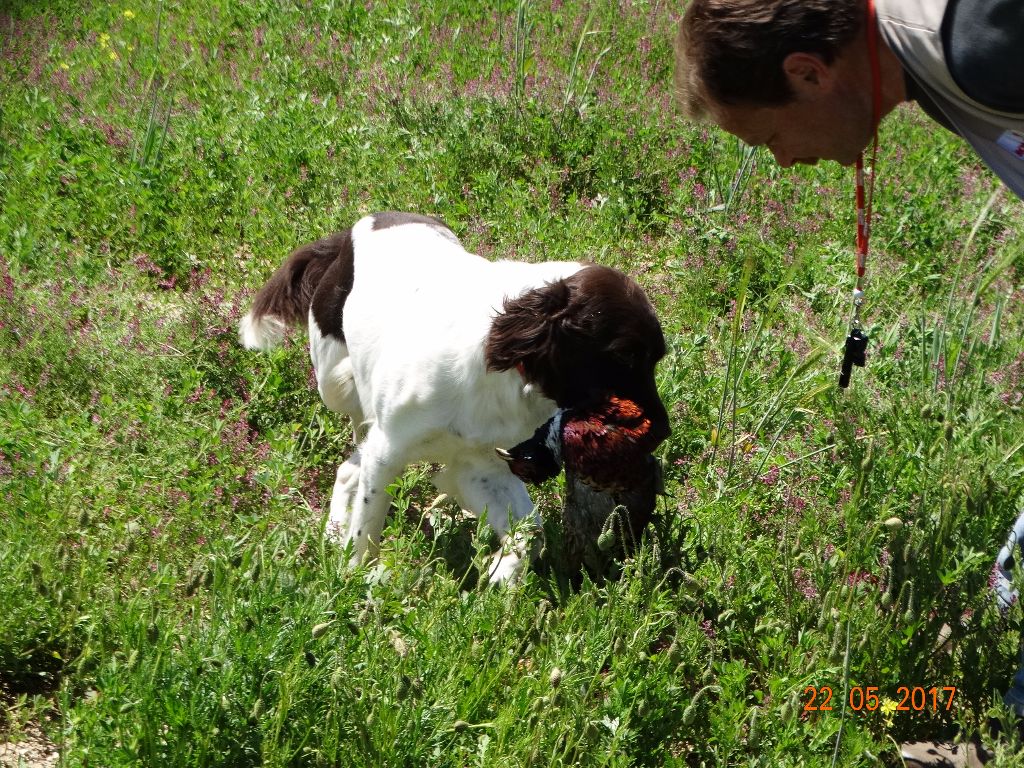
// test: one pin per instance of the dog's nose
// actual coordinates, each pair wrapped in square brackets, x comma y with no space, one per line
[660,428]
[654,410]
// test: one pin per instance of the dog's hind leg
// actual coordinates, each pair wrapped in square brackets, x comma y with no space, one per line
[346,481]
[334,377]
[337,388]
[380,462]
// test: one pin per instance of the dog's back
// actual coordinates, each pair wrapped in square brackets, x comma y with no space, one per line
[398,312]
[416,325]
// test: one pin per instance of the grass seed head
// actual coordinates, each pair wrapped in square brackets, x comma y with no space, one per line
[787,711]
[398,643]
[754,734]
[337,679]
[689,715]
[863,642]
[403,688]
[555,678]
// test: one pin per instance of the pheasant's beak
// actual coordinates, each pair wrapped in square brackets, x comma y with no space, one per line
[504,454]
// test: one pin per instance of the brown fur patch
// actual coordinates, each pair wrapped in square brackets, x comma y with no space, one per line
[290,291]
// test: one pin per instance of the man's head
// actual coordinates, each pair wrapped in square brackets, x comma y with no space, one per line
[787,74]
[731,52]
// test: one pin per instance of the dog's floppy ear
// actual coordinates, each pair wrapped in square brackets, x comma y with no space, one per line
[524,333]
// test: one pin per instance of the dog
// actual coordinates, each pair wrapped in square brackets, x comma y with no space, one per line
[440,355]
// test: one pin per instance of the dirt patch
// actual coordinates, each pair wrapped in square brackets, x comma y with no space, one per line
[31,750]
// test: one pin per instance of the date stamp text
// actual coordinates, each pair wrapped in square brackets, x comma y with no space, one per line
[867,698]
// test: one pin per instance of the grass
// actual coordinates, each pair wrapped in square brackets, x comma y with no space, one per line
[166,597]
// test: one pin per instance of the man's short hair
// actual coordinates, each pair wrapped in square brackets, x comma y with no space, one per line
[730,52]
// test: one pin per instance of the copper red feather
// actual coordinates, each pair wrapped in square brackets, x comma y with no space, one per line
[606,443]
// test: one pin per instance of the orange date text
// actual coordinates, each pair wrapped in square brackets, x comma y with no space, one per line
[866,698]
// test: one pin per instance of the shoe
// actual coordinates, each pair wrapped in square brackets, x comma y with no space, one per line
[942,754]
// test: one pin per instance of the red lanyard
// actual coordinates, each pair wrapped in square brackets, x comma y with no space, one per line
[857,341]
[865,198]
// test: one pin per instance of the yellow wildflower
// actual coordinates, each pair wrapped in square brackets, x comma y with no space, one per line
[104,40]
[889,707]
[65,66]
[113,56]
[129,14]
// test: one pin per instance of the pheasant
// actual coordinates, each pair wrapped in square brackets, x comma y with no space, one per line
[606,449]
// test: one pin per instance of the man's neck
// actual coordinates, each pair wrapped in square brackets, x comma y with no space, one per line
[894,84]
[856,61]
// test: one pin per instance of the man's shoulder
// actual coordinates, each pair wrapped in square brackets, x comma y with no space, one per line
[983,42]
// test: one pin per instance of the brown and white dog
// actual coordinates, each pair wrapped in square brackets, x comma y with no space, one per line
[439,355]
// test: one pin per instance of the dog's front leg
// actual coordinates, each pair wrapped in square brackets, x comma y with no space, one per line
[485,484]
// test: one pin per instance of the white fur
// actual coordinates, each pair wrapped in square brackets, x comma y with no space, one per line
[411,375]
[263,334]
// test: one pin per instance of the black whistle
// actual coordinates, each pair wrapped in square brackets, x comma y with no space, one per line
[853,354]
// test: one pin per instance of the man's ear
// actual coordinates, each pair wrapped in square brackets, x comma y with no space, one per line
[807,73]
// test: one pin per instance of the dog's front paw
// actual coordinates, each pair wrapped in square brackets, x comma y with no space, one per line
[505,568]
[339,534]
[517,550]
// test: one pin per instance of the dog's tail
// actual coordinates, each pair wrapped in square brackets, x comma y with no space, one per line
[284,300]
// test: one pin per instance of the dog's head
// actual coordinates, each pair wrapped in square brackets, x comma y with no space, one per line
[583,339]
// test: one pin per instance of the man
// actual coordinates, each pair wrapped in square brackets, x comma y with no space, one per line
[796,75]
[811,79]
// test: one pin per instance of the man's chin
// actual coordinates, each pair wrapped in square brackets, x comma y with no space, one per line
[848,159]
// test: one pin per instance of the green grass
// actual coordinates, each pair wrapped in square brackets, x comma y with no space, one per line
[166,597]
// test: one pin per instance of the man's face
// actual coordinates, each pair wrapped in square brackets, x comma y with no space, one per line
[798,132]
[827,119]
